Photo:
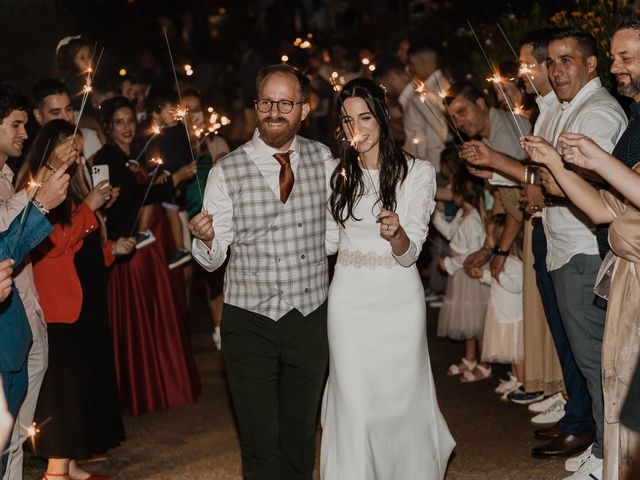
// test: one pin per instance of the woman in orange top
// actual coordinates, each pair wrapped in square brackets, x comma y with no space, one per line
[66,393]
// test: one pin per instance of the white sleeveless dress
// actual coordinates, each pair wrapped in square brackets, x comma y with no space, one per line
[380,414]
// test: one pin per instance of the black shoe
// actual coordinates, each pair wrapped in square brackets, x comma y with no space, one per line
[548,433]
[521,397]
[144,238]
[179,257]
[565,445]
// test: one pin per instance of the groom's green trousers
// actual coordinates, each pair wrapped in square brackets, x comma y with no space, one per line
[276,371]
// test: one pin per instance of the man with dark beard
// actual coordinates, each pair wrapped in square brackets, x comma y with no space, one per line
[266,202]
[625,66]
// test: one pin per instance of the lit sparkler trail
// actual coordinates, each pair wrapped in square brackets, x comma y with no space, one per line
[494,70]
[158,163]
[87,88]
[357,136]
[356,139]
[30,185]
[32,432]
[180,108]
[343,174]
[523,68]
[419,88]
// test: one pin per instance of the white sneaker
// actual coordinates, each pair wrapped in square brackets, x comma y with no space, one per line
[543,406]
[505,395]
[591,469]
[574,463]
[552,415]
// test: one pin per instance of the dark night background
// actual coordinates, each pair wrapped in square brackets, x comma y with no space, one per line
[212,30]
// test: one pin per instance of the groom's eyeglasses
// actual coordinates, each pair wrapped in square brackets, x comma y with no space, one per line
[265,105]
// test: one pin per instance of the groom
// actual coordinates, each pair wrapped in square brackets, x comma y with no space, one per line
[266,201]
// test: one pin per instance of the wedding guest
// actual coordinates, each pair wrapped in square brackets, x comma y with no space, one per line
[503,339]
[209,151]
[617,281]
[462,314]
[65,394]
[25,359]
[147,305]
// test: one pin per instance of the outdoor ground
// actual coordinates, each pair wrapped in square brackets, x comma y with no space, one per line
[200,442]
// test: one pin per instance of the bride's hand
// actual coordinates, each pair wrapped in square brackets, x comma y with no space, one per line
[390,228]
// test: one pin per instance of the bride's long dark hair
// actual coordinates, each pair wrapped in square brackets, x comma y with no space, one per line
[347,185]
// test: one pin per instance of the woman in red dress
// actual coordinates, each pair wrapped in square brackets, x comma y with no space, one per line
[147,304]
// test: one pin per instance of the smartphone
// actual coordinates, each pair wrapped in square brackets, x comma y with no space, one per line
[99,173]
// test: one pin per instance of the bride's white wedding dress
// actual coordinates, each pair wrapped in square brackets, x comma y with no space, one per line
[380,415]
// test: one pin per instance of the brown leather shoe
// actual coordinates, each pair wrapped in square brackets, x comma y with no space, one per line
[548,433]
[565,445]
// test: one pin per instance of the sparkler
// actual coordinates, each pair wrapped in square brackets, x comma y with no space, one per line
[343,174]
[31,184]
[497,78]
[181,109]
[420,90]
[155,131]
[158,163]
[87,89]
[33,431]
[524,69]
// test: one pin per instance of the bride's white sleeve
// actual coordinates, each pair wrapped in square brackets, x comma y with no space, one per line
[332,235]
[421,192]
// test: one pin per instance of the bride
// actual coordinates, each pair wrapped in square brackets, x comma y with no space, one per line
[380,414]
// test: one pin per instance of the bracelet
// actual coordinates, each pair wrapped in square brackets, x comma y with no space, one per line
[500,253]
[39,206]
[50,167]
[526,173]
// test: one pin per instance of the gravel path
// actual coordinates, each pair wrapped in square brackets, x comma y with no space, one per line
[200,442]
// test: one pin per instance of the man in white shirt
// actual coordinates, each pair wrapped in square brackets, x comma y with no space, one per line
[573,257]
[266,202]
[577,420]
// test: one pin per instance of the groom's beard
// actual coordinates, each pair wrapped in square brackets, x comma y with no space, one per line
[278,131]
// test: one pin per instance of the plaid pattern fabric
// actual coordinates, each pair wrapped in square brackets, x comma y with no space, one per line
[277,260]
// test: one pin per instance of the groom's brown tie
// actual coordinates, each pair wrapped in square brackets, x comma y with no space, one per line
[286,174]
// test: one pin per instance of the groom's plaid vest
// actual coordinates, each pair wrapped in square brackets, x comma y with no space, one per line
[277,260]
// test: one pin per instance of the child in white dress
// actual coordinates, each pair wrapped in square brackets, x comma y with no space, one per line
[463,311]
[503,340]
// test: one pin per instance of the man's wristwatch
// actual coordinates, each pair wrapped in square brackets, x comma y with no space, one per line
[500,253]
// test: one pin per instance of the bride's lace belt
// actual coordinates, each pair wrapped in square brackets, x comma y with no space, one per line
[371,260]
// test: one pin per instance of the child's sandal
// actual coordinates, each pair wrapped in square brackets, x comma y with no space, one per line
[467,366]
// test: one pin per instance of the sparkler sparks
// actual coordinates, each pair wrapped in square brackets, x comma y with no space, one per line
[524,69]
[519,110]
[420,89]
[185,119]
[357,138]
[180,113]
[343,174]
[496,75]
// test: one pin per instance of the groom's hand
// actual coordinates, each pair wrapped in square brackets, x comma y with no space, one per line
[201,227]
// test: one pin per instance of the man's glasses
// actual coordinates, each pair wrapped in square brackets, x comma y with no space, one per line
[265,105]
